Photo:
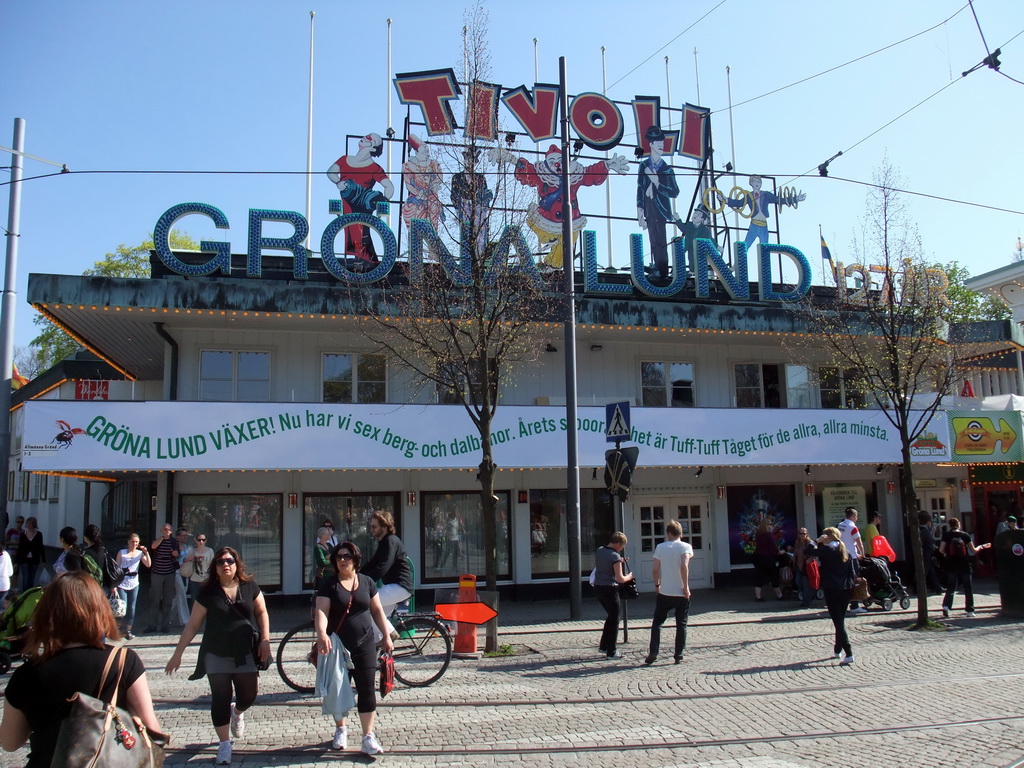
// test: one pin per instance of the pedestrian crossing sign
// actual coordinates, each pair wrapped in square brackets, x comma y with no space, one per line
[616,421]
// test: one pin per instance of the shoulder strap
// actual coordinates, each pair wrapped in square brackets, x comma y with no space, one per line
[347,608]
[121,653]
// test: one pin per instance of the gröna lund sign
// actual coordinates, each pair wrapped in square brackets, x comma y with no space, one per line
[598,122]
[707,257]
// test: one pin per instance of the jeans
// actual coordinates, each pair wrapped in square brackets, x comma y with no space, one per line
[664,604]
[609,597]
[803,584]
[161,586]
[130,596]
[28,575]
[959,574]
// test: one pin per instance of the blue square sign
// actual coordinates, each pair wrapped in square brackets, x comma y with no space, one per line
[616,422]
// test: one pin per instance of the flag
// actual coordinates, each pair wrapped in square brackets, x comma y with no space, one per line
[17,380]
[825,252]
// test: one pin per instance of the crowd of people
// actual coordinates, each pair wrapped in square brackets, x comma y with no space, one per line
[74,631]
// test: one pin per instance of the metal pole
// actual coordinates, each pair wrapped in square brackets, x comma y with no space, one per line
[7,307]
[607,187]
[309,139]
[572,458]
[389,131]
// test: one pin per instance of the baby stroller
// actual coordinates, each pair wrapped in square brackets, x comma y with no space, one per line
[14,624]
[884,586]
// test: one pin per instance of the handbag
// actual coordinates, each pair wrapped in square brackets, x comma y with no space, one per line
[261,664]
[387,674]
[101,735]
[118,606]
[860,592]
[628,590]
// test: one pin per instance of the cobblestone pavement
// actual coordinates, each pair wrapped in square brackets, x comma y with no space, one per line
[758,687]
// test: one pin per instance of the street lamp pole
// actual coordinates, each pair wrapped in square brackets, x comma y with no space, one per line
[7,308]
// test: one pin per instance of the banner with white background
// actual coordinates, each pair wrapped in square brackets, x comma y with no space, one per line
[67,435]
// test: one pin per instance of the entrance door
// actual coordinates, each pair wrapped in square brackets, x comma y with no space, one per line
[937,504]
[692,514]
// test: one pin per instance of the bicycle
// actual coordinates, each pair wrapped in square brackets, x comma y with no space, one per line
[422,652]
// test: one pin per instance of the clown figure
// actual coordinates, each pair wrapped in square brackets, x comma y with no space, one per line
[544,217]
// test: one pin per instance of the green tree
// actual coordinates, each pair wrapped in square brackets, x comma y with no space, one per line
[893,334]
[969,306]
[52,344]
[459,327]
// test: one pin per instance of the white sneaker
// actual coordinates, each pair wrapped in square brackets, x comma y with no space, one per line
[859,609]
[224,753]
[340,738]
[945,612]
[847,661]
[839,654]
[237,723]
[969,614]
[371,746]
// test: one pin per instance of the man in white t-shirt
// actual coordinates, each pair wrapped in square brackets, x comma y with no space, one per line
[850,534]
[672,580]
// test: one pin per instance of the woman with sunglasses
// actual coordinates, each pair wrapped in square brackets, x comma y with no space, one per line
[347,608]
[231,604]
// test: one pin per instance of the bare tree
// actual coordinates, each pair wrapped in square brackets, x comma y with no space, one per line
[890,337]
[474,302]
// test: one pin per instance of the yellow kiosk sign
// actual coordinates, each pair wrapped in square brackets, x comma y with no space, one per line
[981,439]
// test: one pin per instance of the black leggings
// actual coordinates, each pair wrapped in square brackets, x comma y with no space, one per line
[221,684]
[836,601]
[364,657]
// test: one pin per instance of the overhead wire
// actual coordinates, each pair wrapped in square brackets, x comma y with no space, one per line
[666,45]
[840,66]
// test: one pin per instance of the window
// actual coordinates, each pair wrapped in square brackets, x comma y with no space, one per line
[54,488]
[250,523]
[10,484]
[241,376]
[757,386]
[667,384]
[354,378]
[349,513]
[549,543]
[453,372]
[453,536]
[799,392]
[838,388]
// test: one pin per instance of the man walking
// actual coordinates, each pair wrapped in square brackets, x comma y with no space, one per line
[960,552]
[164,554]
[850,534]
[672,581]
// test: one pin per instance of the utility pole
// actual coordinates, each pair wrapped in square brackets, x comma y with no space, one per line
[572,500]
[7,312]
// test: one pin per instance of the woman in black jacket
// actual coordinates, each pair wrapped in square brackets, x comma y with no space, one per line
[837,574]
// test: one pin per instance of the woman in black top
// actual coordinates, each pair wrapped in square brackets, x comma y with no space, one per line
[389,564]
[95,549]
[347,607]
[231,604]
[837,574]
[66,656]
[30,553]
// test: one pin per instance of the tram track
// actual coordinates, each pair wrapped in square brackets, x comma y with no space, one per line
[274,700]
[648,744]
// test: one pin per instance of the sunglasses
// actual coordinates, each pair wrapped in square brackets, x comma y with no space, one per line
[226,561]
[200,539]
[345,555]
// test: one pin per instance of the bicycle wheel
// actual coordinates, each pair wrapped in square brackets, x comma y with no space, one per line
[423,651]
[297,673]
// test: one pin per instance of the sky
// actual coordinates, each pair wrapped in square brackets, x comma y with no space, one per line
[115,85]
